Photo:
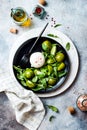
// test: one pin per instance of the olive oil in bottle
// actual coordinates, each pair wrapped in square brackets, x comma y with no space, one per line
[20,17]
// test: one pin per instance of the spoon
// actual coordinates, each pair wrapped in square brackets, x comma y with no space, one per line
[25,58]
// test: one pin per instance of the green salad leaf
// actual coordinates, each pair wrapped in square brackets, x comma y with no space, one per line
[52,35]
[67,46]
[57,25]
[51,118]
[18,69]
[62,73]
[53,108]
[38,88]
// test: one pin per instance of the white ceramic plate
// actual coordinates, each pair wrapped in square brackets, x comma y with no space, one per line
[63,40]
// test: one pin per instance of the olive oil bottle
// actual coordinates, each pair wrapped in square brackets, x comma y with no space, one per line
[20,17]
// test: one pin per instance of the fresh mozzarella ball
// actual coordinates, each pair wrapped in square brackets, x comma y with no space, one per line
[37,60]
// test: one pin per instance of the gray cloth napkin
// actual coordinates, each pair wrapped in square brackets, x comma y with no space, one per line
[28,108]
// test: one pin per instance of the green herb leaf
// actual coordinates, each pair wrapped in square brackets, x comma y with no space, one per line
[35,79]
[52,35]
[38,88]
[55,71]
[53,50]
[62,73]
[20,76]
[51,118]
[67,46]
[57,25]
[18,69]
[23,83]
[53,108]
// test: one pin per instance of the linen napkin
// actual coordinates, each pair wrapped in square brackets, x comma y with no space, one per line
[28,108]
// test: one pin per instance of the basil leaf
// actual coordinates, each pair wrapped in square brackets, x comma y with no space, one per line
[51,118]
[52,35]
[57,25]
[53,108]
[67,46]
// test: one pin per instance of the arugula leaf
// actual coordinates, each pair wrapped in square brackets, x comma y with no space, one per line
[62,73]
[23,83]
[52,35]
[67,46]
[51,118]
[53,50]
[18,69]
[57,25]
[55,71]
[20,76]
[35,79]
[38,88]
[53,108]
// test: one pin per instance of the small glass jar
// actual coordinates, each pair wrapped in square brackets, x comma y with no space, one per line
[20,16]
[82,102]
[39,12]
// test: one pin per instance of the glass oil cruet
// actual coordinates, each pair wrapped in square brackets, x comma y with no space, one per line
[20,16]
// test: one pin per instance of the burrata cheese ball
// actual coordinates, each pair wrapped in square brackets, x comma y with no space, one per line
[37,60]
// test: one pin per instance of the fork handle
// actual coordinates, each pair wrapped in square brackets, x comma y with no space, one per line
[38,38]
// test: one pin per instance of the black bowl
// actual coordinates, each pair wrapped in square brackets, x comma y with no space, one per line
[24,48]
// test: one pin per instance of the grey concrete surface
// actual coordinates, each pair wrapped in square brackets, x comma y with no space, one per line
[72,14]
